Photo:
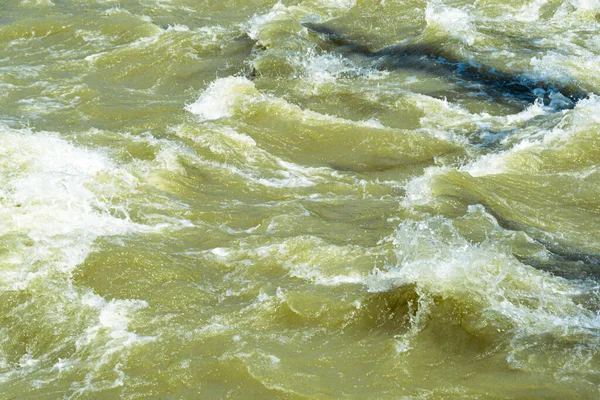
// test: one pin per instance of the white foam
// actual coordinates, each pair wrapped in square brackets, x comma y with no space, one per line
[45,187]
[55,201]
[111,329]
[494,285]
[342,4]
[274,359]
[325,68]
[585,115]
[220,98]
[239,154]
[178,28]
[532,111]
[256,23]
[92,36]
[338,280]
[225,96]
[489,164]
[418,190]
[456,22]
[116,10]
[529,12]
[553,67]
[575,9]
[41,3]
[221,252]
[59,195]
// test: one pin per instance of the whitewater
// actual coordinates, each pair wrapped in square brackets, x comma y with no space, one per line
[384,199]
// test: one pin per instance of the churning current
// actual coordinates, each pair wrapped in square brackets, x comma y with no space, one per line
[384,199]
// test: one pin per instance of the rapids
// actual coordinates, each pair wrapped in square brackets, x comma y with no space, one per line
[299,199]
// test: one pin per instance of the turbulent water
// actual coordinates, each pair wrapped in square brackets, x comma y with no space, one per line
[300,200]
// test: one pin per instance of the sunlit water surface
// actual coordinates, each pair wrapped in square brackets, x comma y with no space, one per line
[300,200]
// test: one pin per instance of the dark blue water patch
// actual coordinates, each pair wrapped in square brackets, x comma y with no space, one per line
[475,80]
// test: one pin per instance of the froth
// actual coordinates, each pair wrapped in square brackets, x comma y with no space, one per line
[256,23]
[484,279]
[39,3]
[46,187]
[221,96]
[456,22]
[55,201]
[238,154]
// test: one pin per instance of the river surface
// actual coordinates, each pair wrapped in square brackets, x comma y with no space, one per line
[385,199]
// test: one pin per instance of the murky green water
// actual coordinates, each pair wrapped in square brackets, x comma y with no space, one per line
[299,200]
